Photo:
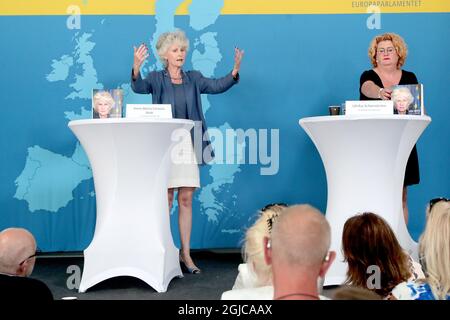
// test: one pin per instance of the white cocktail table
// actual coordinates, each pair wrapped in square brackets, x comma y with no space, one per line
[130,161]
[365,159]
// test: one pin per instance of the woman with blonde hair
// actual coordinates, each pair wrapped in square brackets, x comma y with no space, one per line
[255,276]
[182,90]
[434,253]
[259,273]
[103,103]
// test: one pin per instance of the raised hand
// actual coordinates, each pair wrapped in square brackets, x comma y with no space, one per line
[140,54]
[238,54]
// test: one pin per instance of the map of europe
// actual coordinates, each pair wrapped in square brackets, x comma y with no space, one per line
[60,174]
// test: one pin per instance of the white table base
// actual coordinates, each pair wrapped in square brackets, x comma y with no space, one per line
[130,163]
[365,159]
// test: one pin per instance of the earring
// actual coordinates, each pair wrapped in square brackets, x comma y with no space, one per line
[327,257]
[268,244]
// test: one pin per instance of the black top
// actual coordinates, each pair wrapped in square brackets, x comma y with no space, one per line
[412,173]
[370,75]
[23,288]
[180,108]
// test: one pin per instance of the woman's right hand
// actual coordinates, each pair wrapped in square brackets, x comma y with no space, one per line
[140,54]
[385,93]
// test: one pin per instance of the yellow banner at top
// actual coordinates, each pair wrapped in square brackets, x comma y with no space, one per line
[235,7]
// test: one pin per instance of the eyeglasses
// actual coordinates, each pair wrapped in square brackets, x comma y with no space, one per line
[36,253]
[436,200]
[389,50]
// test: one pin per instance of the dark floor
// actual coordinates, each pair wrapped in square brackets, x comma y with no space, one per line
[219,271]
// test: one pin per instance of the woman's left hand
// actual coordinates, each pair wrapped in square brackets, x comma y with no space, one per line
[238,54]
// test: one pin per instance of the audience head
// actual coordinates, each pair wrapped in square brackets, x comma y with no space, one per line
[368,240]
[298,248]
[398,45]
[254,247]
[17,252]
[355,293]
[434,248]
[167,40]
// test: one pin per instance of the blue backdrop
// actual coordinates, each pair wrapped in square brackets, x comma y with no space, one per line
[294,67]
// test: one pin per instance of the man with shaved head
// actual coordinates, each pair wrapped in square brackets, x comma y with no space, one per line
[17,259]
[298,251]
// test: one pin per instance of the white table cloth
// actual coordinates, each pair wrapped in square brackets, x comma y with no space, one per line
[365,159]
[130,161]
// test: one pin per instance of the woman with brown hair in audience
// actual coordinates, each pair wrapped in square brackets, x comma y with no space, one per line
[375,258]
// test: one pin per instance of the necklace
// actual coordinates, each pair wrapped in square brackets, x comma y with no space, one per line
[180,76]
[298,294]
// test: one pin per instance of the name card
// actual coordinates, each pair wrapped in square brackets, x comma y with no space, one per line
[151,111]
[374,107]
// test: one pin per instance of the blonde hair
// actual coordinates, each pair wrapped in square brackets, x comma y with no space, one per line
[253,248]
[402,92]
[434,247]
[167,39]
[397,41]
[103,96]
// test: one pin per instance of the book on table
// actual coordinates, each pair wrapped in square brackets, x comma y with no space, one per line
[107,103]
[408,99]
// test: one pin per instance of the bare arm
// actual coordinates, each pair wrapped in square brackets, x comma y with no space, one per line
[371,90]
